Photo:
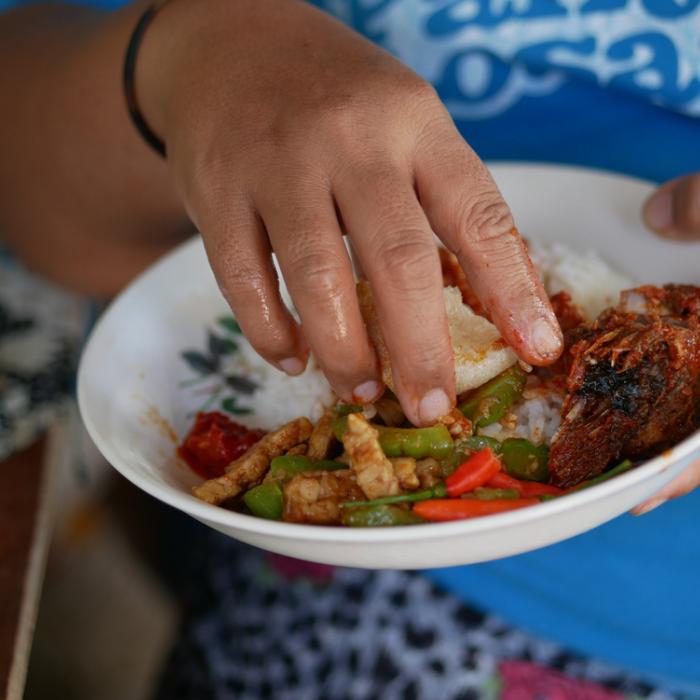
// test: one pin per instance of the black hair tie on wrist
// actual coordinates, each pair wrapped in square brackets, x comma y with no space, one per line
[129,83]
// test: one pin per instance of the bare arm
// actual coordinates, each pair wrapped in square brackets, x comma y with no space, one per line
[82,199]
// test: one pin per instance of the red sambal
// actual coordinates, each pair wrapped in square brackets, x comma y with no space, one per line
[214,442]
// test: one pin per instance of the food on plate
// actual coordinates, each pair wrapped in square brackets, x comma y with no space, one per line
[634,382]
[626,387]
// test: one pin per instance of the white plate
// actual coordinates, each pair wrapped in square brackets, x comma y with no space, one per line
[131,399]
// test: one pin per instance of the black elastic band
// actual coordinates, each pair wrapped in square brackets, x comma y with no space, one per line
[129,84]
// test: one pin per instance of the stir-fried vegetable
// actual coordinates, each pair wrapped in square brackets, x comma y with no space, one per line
[478,442]
[265,501]
[407,442]
[380,515]
[526,489]
[475,472]
[487,493]
[461,508]
[286,467]
[615,471]
[437,491]
[524,460]
[490,402]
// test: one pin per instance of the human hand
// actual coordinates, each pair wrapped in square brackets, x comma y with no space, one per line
[673,211]
[285,129]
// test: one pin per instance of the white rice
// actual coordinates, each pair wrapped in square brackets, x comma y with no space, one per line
[592,283]
[280,398]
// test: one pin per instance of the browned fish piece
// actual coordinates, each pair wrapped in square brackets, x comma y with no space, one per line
[633,387]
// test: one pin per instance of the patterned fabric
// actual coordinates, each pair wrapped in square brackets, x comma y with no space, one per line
[485,56]
[41,329]
[263,626]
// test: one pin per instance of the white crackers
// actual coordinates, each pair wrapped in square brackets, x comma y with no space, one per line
[480,352]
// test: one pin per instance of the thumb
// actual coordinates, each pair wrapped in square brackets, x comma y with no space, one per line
[674,209]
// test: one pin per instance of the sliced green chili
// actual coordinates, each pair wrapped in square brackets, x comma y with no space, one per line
[524,460]
[380,516]
[407,442]
[490,402]
[265,501]
[286,467]
[485,493]
[478,442]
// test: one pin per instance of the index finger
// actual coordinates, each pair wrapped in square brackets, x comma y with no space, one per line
[469,215]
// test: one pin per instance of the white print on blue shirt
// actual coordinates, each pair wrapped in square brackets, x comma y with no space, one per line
[484,55]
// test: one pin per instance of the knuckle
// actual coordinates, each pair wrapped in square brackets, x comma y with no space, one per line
[316,271]
[407,258]
[243,283]
[485,221]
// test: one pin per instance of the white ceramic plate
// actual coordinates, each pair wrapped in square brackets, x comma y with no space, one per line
[134,406]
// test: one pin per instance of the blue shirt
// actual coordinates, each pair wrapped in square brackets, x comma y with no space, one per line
[613,84]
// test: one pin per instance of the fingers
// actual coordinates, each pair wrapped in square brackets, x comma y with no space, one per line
[397,251]
[674,209]
[468,213]
[683,484]
[307,240]
[239,254]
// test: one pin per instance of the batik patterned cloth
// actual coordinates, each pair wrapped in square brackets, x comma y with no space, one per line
[265,627]
[41,331]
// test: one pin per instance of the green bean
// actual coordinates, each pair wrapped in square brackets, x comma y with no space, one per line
[265,501]
[407,442]
[489,402]
[437,491]
[345,409]
[286,467]
[484,493]
[478,442]
[615,471]
[327,465]
[526,461]
[380,516]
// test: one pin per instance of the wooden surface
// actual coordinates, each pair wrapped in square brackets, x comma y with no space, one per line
[20,498]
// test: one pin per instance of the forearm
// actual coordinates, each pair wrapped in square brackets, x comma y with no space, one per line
[82,198]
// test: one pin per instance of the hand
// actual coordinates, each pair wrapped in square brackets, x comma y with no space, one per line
[284,129]
[673,211]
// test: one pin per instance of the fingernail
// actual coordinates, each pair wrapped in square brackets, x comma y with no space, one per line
[366,392]
[658,211]
[649,506]
[292,366]
[544,338]
[433,406]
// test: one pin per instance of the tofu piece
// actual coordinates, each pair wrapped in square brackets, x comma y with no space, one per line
[249,469]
